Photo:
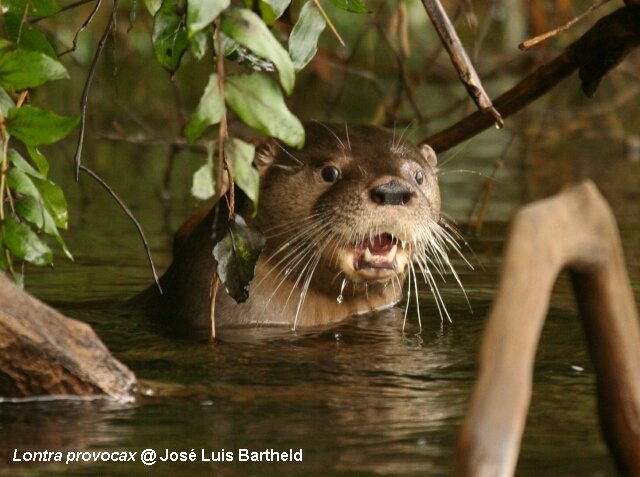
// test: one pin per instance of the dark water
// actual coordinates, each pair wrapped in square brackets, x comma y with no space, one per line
[360,399]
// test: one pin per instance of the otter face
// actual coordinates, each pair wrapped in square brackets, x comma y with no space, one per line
[357,202]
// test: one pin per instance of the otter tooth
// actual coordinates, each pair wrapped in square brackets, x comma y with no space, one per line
[392,253]
[367,255]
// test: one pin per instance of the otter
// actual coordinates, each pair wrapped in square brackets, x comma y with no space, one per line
[347,218]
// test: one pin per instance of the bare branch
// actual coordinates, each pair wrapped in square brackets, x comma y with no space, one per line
[87,85]
[130,215]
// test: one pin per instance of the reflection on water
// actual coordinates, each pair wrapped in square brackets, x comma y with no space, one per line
[360,399]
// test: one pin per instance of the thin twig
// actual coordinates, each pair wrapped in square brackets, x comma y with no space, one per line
[79,3]
[130,215]
[329,22]
[87,85]
[525,45]
[86,23]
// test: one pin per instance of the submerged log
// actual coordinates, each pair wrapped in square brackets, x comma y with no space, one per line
[573,231]
[43,353]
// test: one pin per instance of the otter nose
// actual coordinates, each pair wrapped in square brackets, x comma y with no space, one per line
[391,193]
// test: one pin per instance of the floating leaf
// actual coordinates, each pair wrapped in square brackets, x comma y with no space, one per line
[201,13]
[355,6]
[203,186]
[247,28]
[37,8]
[35,126]
[237,254]
[169,35]
[259,103]
[21,69]
[24,244]
[27,36]
[240,155]
[208,112]
[303,41]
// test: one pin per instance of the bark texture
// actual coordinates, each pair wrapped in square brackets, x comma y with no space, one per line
[44,353]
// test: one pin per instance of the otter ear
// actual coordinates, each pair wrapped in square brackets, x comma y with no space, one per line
[266,152]
[429,154]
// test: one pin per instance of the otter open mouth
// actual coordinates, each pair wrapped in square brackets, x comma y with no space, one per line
[377,252]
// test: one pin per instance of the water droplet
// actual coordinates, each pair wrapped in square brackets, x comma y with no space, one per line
[340,298]
[287,272]
[337,336]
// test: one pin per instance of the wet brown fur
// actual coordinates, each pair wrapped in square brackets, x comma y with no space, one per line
[292,191]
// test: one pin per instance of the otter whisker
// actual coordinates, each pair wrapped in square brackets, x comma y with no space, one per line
[283,149]
[293,248]
[468,171]
[305,290]
[406,309]
[342,146]
[415,286]
[295,254]
[346,132]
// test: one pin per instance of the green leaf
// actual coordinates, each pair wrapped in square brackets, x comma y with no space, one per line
[203,186]
[6,103]
[153,6]
[21,183]
[237,254]
[21,69]
[20,163]
[54,201]
[32,211]
[240,154]
[259,103]
[5,45]
[355,6]
[37,8]
[3,256]
[133,14]
[43,190]
[169,35]
[248,29]
[201,13]
[38,158]
[30,37]
[198,44]
[271,10]
[35,126]
[208,112]
[303,41]
[24,244]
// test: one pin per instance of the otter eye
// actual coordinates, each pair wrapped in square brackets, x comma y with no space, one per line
[330,174]
[418,177]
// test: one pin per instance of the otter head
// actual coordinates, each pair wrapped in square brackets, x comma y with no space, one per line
[355,203]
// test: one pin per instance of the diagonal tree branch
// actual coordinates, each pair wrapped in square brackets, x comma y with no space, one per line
[594,54]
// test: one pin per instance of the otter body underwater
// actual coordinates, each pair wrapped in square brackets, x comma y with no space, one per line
[347,219]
